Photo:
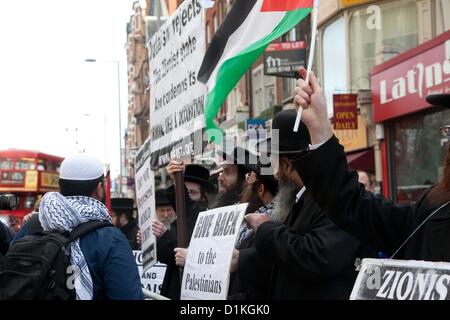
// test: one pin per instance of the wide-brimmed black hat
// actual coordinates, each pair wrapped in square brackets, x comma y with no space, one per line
[242,158]
[161,198]
[200,175]
[288,142]
[122,204]
[440,100]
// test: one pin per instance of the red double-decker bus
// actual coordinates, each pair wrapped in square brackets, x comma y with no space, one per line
[28,175]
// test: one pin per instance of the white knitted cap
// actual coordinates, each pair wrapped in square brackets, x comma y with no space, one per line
[81,167]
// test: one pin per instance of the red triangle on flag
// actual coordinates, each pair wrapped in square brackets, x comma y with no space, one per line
[285,5]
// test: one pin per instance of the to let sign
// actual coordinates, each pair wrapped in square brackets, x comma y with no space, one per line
[345,111]
[283,59]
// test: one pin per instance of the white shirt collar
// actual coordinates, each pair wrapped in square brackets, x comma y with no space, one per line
[300,194]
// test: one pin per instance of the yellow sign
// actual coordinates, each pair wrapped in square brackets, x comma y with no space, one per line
[31,179]
[49,180]
[351,3]
[353,139]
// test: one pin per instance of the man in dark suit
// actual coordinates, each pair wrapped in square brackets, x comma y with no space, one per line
[311,257]
[417,232]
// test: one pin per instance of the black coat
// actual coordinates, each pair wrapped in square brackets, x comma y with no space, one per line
[171,286]
[5,238]
[130,230]
[311,258]
[385,226]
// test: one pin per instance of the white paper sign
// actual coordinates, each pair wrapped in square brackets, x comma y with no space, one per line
[153,278]
[207,268]
[176,97]
[145,195]
[385,279]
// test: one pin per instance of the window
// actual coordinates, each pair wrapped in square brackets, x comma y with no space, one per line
[335,74]
[417,154]
[233,102]
[6,164]
[264,92]
[208,33]
[24,164]
[29,202]
[442,17]
[371,46]
[288,88]
[216,23]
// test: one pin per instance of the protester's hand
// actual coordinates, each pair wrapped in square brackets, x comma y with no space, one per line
[158,228]
[234,260]
[173,167]
[27,217]
[254,220]
[180,256]
[139,237]
[315,114]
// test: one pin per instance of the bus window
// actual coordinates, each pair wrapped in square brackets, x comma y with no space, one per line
[6,164]
[29,202]
[42,165]
[25,164]
[52,166]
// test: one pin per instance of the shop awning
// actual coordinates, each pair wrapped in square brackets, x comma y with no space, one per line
[362,160]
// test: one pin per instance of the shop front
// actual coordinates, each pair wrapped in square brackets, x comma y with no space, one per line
[412,146]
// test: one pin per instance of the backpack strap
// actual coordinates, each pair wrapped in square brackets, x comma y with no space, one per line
[34,225]
[87,227]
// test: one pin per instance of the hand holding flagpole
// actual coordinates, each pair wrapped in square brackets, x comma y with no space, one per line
[312,49]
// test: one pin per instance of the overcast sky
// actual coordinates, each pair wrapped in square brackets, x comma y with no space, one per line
[50,99]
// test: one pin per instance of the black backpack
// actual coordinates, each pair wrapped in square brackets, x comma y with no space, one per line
[36,267]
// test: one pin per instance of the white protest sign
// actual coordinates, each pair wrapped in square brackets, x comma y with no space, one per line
[153,278]
[177,99]
[385,279]
[207,268]
[145,195]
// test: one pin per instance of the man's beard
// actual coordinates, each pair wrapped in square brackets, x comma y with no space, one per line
[284,200]
[229,197]
[254,201]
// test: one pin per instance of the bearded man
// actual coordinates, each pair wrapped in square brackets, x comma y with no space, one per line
[311,257]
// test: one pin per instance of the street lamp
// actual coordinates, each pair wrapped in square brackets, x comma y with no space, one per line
[120,121]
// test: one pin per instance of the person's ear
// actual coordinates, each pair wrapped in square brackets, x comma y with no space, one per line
[287,165]
[261,190]
[98,192]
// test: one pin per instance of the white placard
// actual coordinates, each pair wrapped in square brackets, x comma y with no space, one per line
[177,99]
[153,278]
[386,279]
[207,268]
[145,195]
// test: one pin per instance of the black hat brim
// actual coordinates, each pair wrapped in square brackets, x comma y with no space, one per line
[440,100]
[208,186]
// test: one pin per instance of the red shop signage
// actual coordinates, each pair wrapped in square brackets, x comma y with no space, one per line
[401,85]
[345,111]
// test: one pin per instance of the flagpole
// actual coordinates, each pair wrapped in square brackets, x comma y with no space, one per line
[312,49]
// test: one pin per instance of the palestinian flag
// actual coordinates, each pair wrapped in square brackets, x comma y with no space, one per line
[247,30]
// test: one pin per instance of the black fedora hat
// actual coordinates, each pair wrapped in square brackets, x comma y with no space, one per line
[161,198]
[288,142]
[440,100]
[122,204]
[242,158]
[198,174]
